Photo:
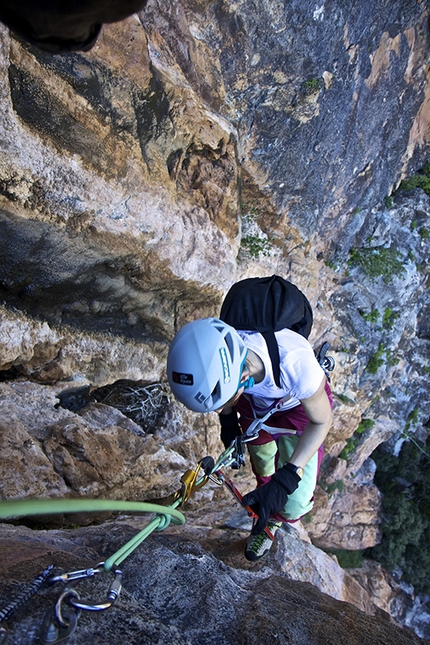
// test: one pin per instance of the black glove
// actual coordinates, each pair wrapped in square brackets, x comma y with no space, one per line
[230,428]
[272,497]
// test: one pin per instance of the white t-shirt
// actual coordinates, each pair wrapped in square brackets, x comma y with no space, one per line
[300,373]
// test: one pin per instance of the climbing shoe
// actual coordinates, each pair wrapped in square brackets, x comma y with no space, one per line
[258,545]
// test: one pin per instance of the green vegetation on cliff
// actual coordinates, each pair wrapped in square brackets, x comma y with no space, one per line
[420,180]
[405,484]
[378,261]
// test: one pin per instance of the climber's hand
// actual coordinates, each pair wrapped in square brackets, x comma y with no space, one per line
[265,501]
[271,498]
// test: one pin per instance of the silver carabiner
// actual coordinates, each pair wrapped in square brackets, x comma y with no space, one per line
[71,576]
[112,595]
[59,624]
[255,427]
[65,622]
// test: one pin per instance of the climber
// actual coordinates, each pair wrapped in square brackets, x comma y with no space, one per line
[212,366]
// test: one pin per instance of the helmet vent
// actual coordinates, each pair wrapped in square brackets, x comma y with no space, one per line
[230,346]
[216,394]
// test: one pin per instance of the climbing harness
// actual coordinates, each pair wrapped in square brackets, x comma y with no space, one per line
[61,620]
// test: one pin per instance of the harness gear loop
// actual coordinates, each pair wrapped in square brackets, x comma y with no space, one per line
[255,427]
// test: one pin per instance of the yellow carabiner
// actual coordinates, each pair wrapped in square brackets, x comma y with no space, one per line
[189,485]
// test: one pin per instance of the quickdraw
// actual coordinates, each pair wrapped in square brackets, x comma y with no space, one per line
[61,620]
[235,458]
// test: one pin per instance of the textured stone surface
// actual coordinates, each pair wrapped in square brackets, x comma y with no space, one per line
[175,590]
[129,177]
[349,517]
[314,92]
[98,452]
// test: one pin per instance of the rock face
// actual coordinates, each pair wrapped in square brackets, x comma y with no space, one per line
[196,144]
[176,591]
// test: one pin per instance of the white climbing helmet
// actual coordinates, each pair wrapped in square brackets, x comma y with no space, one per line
[205,363]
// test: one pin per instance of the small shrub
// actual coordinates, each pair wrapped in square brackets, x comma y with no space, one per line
[378,262]
[352,442]
[424,232]
[144,403]
[348,559]
[420,180]
[351,445]
[345,399]
[331,265]
[376,360]
[253,241]
[389,202]
[365,424]
[338,485]
[311,86]
[389,317]
[256,245]
[371,317]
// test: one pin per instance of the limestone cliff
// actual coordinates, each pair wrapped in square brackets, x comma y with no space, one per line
[197,143]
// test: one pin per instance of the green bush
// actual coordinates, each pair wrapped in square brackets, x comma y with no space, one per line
[252,242]
[377,359]
[256,245]
[348,559]
[389,317]
[372,316]
[311,86]
[377,261]
[352,442]
[420,180]
[405,484]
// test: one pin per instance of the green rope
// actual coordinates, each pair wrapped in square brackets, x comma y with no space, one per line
[159,523]
[164,514]
[224,460]
[18,507]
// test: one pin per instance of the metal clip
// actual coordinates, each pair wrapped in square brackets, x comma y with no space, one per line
[59,623]
[76,575]
[112,595]
[189,480]
[72,598]
[238,454]
[3,635]
[255,426]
